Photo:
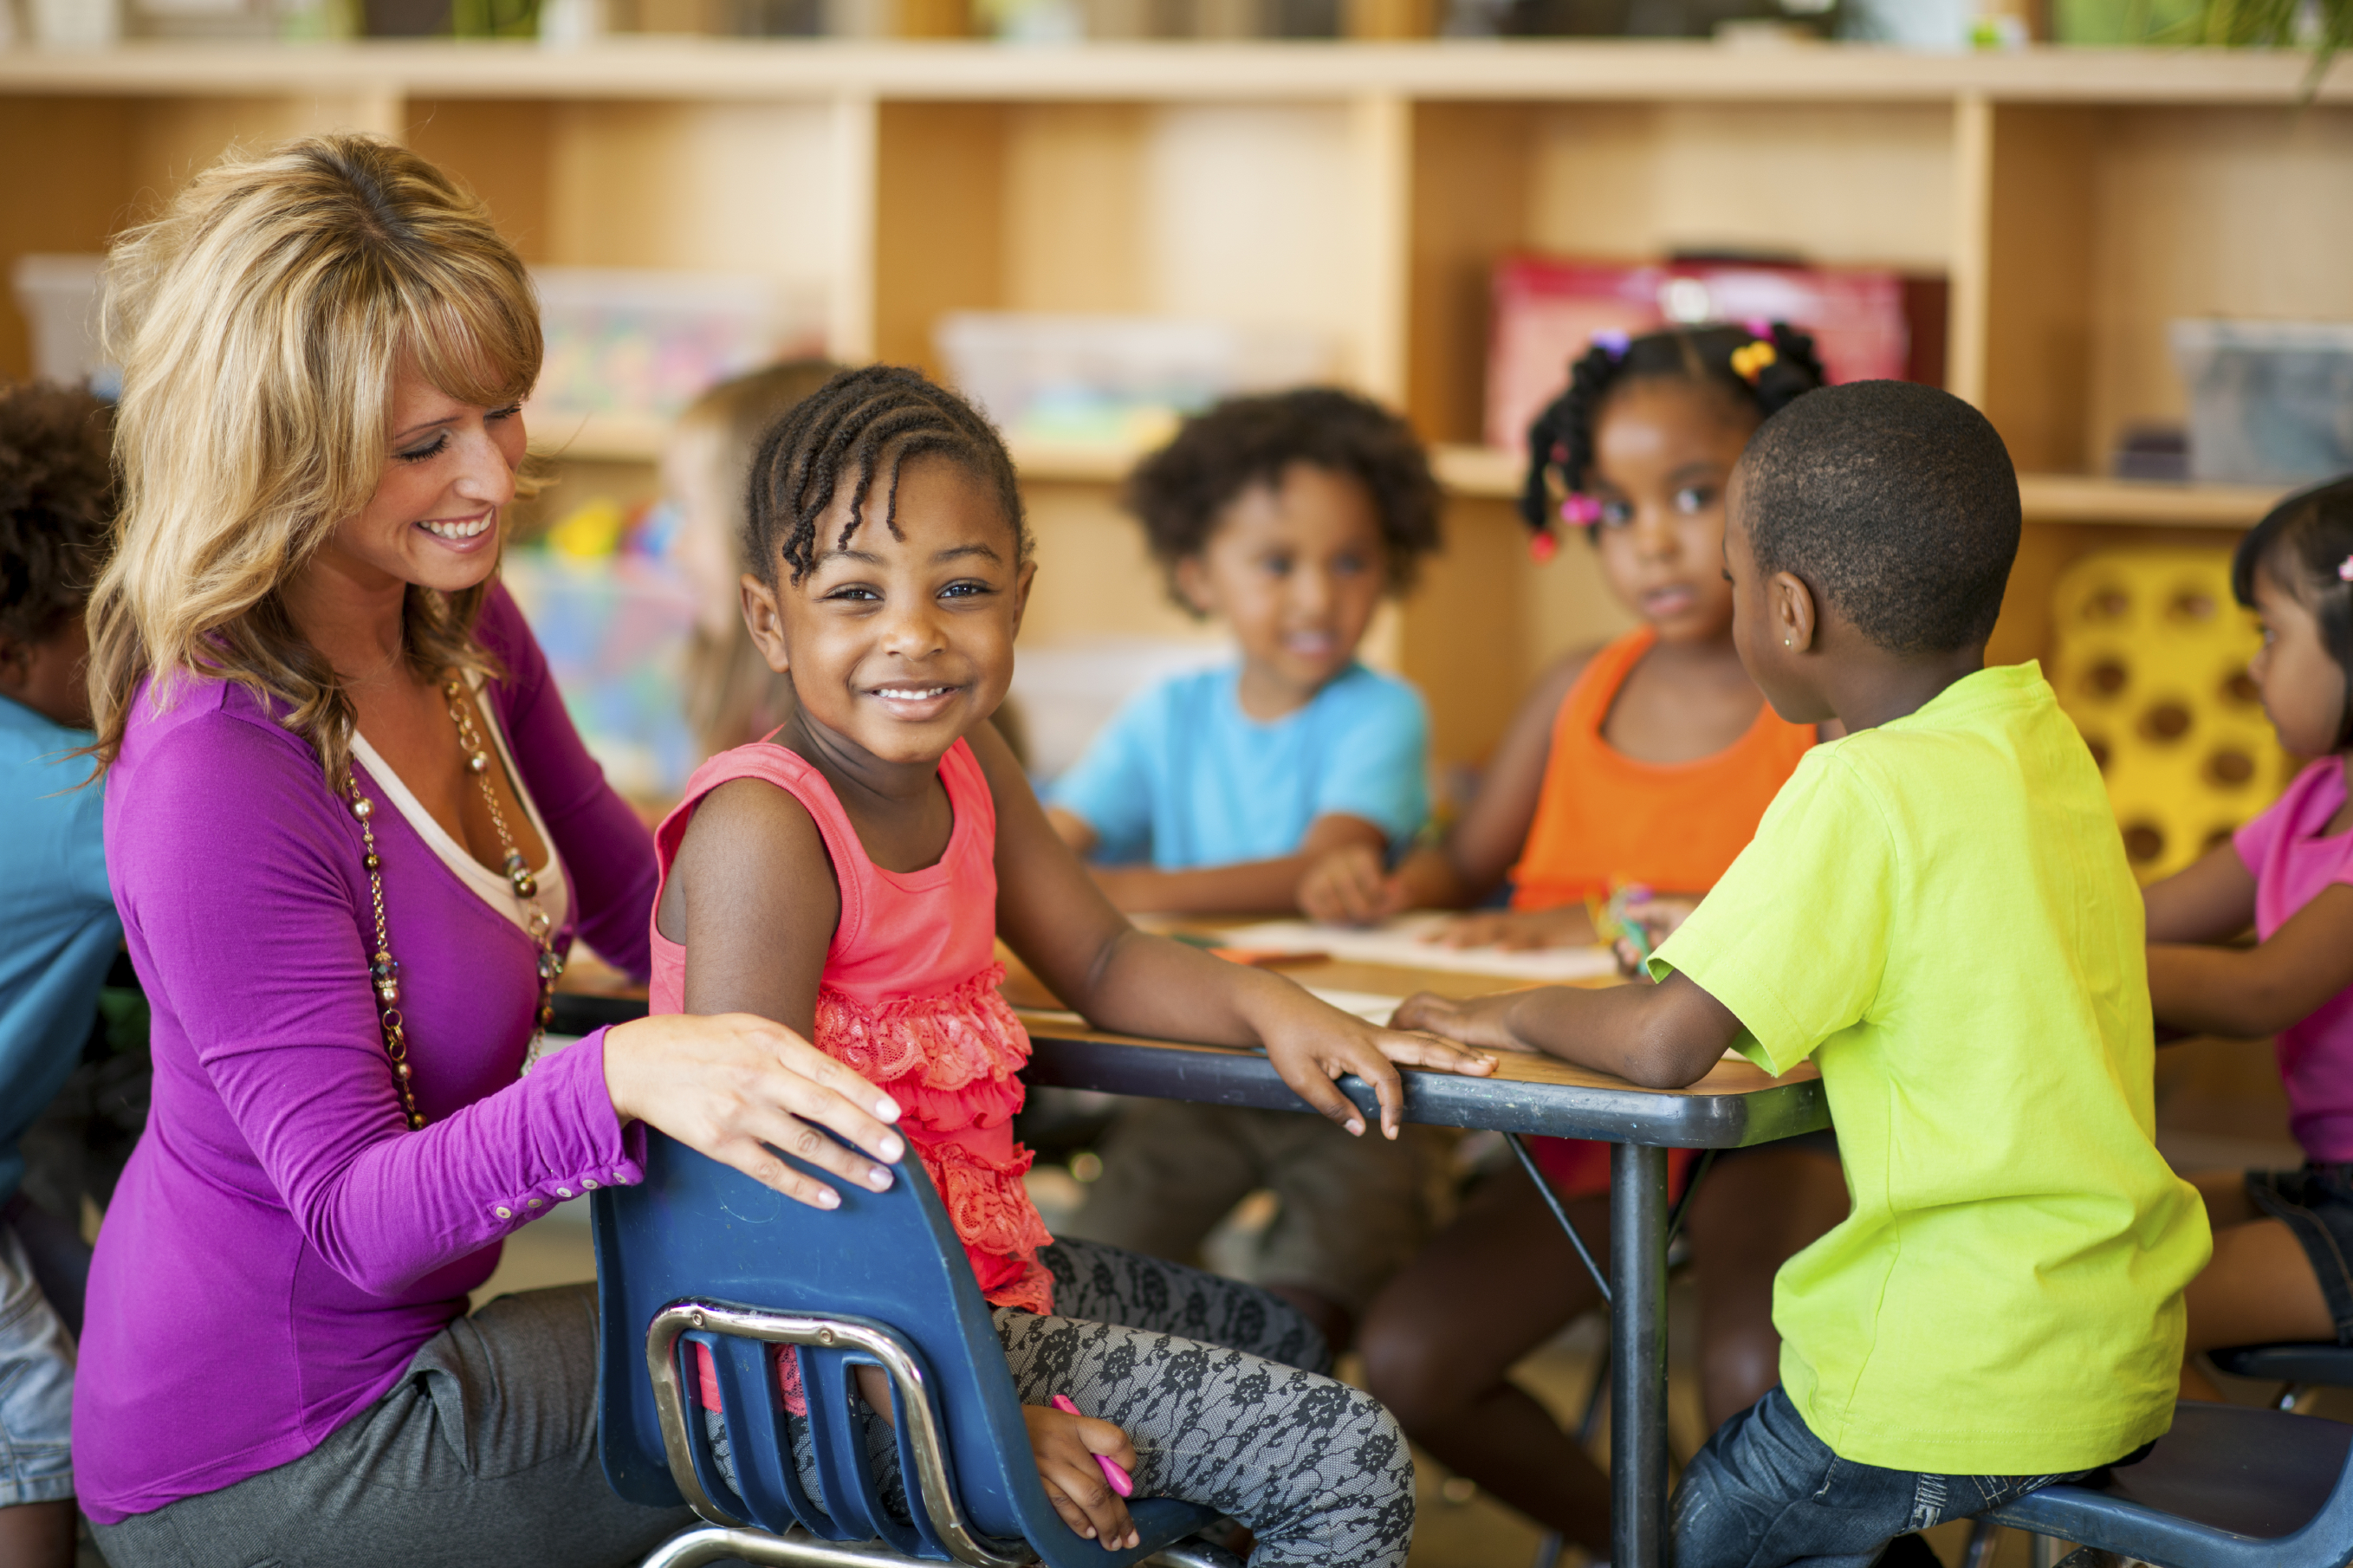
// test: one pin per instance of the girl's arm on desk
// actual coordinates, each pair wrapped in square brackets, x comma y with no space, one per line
[1659,1036]
[2247,991]
[1050,911]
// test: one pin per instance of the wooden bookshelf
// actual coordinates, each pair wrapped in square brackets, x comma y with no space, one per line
[2077,200]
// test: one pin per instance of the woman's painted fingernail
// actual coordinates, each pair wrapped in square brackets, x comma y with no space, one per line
[828,1198]
[879,1179]
[891,1149]
[887,1110]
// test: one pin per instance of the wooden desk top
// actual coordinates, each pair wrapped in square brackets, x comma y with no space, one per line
[1735,1105]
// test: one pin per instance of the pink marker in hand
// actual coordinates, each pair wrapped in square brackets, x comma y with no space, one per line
[1119,1478]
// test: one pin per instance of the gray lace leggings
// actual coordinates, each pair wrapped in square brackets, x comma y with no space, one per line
[1221,1388]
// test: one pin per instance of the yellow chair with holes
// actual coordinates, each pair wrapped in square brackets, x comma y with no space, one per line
[2150,660]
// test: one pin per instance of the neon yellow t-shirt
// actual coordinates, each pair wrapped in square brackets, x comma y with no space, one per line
[1938,912]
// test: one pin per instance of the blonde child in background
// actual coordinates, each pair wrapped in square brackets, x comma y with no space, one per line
[1288,517]
[848,877]
[2283,1239]
[731,695]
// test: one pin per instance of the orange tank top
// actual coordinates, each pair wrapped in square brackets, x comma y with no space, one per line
[1606,818]
[909,999]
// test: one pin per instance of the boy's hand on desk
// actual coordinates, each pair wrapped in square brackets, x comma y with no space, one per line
[1478,1022]
[1065,1447]
[1350,886]
[1311,1043]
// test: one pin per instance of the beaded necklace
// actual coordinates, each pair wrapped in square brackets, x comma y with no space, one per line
[384,970]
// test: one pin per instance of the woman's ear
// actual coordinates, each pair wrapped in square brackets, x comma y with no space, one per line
[766,621]
[1791,605]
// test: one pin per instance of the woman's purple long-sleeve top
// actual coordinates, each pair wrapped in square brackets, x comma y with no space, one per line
[280,1245]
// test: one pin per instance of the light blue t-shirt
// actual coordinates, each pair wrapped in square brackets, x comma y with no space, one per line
[59,930]
[1182,777]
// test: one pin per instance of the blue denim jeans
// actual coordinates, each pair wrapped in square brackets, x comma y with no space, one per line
[37,1368]
[1766,1492]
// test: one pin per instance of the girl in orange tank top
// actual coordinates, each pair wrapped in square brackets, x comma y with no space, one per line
[1605,819]
[848,877]
[1650,760]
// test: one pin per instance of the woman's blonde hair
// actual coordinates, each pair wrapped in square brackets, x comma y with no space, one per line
[259,323]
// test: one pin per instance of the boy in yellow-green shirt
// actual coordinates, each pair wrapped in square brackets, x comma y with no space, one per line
[1937,909]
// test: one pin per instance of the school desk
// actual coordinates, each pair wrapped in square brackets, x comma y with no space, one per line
[1733,1106]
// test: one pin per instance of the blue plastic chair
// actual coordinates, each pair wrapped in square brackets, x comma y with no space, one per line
[2227,1487]
[2297,1369]
[699,1253]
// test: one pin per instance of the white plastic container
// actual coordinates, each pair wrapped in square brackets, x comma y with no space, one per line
[1114,381]
[2270,402]
[58,296]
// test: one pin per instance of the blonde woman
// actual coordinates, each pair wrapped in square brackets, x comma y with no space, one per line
[352,833]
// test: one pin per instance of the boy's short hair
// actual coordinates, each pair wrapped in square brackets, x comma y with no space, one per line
[1179,491]
[1895,501]
[56,504]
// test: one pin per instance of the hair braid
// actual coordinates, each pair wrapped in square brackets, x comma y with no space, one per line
[1560,442]
[860,425]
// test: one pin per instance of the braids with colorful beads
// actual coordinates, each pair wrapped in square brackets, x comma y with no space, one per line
[1765,365]
[860,425]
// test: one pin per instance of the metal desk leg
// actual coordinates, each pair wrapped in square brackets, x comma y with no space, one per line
[1638,1351]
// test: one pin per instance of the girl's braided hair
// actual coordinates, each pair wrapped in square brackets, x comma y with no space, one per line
[1765,365]
[863,423]
[2307,543]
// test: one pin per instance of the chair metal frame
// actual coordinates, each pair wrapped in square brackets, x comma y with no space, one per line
[691,1250]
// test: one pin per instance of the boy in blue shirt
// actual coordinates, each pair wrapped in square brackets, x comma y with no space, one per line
[1288,517]
[59,930]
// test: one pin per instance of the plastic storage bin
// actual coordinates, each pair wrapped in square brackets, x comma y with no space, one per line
[2270,402]
[58,296]
[645,343]
[1114,381]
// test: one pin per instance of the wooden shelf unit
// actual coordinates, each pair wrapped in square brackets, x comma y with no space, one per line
[2077,200]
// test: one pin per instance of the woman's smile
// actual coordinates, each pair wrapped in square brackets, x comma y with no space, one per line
[463,534]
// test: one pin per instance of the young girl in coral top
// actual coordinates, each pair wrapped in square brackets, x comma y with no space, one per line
[1649,761]
[847,876]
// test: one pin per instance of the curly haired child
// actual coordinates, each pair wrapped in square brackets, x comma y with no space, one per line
[849,876]
[1288,517]
[59,930]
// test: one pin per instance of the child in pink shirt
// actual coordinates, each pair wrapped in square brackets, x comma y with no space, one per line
[2283,1266]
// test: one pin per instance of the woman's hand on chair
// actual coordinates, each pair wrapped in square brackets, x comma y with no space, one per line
[733,1084]
[1065,1447]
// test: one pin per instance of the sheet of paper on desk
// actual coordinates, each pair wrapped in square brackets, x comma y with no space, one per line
[1398,943]
[1372,1007]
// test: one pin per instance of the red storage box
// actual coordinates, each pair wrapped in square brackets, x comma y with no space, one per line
[1868,323]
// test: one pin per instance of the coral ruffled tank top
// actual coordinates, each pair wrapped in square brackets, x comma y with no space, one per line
[909,1000]
[1605,817]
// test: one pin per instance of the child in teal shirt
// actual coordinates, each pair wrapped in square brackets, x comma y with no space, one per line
[1288,517]
[59,930]
[1937,911]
